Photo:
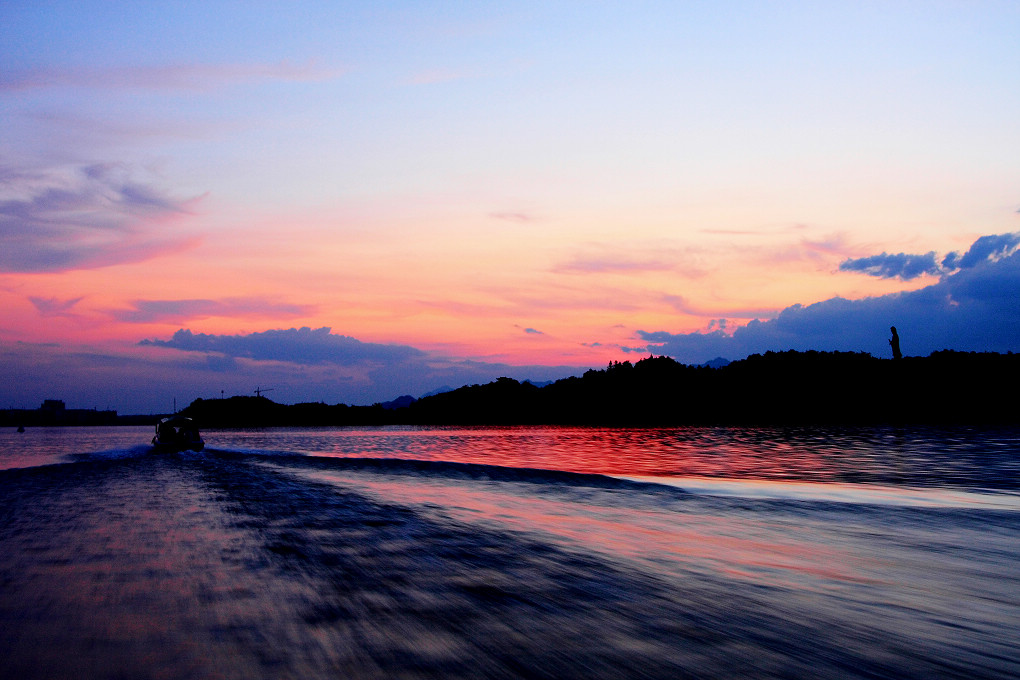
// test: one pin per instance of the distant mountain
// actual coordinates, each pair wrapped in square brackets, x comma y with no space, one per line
[446,388]
[718,362]
[438,390]
[400,402]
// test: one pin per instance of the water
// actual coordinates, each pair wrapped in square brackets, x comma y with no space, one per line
[505,553]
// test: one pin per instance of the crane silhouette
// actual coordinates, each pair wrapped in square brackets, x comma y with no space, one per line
[260,390]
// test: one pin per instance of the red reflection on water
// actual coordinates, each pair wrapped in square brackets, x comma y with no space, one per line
[823,455]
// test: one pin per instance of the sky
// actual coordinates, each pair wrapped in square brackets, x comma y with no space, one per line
[350,201]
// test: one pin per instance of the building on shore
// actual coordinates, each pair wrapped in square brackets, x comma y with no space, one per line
[54,412]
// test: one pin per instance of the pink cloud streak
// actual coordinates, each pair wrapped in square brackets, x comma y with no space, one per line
[165,77]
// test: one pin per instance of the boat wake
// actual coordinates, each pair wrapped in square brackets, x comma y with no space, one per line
[665,486]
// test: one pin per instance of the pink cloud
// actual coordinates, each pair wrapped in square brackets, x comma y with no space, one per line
[684,306]
[610,259]
[612,263]
[54,306]
[512,216]
[89,217]
[179,311]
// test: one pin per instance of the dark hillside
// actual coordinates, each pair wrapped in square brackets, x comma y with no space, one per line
[775,388]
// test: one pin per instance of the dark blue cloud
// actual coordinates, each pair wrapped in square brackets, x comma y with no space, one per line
[975,308]
[299,364]
[294,345]
[354,371]
[888,266]
[985,248]
[906,267]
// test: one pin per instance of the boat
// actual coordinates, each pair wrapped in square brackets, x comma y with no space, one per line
[177,433]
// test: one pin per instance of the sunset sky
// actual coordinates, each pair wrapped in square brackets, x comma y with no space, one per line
[349,201]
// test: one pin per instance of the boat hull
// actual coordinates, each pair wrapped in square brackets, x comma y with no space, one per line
[177,433]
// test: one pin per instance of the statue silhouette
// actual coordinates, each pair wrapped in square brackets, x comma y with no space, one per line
[894,342]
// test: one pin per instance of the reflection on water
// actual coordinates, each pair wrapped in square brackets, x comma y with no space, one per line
[919,456]
[969,457]
[710,553]
[47,445]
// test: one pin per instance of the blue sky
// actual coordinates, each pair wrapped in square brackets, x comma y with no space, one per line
[526,189]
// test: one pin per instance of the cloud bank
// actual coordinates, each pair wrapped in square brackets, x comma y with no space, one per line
[295,345]
[975,306]
[299,364]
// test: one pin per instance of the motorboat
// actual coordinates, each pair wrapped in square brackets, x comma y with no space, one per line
[177,433]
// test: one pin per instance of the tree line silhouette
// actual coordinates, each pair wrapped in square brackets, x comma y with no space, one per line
[775,388]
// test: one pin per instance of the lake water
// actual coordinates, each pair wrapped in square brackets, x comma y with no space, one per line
[511,553]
